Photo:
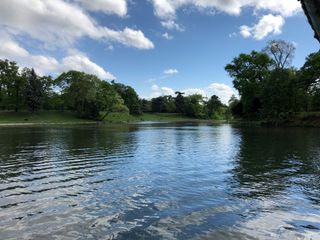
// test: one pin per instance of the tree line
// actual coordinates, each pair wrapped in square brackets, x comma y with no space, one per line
[270,87]
[90,97]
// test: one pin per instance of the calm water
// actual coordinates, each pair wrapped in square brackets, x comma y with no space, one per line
[159,182]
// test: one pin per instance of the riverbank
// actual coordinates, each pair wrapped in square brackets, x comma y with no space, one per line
[303,119]
[68,118]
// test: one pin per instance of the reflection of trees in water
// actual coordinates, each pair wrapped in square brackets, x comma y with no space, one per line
[271,160]
[27,150]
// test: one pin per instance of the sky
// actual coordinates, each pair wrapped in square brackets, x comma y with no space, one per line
[156,46]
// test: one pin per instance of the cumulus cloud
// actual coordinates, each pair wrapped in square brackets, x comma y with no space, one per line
[167,36]
[157,91]
[61,23]
[166,10]
[171,71]
[84,64]
[172,25]
[118,7]
[223,91]
[245,31]
[268,24]
[49,65]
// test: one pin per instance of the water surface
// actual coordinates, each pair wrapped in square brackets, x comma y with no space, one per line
[160,181]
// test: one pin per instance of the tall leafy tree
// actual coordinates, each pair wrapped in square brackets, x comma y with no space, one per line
[34,90]
[214,106]
[195,106]
[88,95]
[11,85]
[80,91]
[310,71]
[180,102]
[130,97]
[109,100]
[248,72]
[281,94]
[235,106]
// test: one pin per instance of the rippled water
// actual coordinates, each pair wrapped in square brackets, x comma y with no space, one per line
[159,182]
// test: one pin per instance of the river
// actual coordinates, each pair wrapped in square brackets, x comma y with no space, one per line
[159,181]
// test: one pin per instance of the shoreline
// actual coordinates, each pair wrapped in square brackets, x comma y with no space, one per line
[52,118]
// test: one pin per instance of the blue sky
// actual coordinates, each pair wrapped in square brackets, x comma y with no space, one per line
[156,46]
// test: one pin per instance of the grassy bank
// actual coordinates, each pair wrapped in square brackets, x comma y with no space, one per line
[52,117]
[149,117]
[7,118]
[303,119]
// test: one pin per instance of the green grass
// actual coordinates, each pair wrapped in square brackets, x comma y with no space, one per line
[152,117]
[55,117]
[50,117]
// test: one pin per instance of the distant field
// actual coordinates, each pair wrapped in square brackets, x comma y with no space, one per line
[52,117]
[158,117]
[40,118]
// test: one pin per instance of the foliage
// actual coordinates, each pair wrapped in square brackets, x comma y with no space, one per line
[130,97]
[88,95]
[165,104]
[248,71]
[269,87]
[34,90]
[195,106]
[180,102]
[214,107]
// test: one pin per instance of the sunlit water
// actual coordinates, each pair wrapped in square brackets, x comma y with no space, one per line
[159,182]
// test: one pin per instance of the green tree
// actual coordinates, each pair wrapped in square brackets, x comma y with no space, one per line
[109,100]
[158,104]
[180,102]
[215,107]
[310,71]
[146,105]
[281,95]
[80,93]
[11,85]
[195,106]
[88,95]
[130,97]
[235,106]
[34,90]
[248,72]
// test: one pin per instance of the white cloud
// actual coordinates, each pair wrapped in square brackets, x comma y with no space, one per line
[245,31]
[223,91]
[10,49]
[166,10]
[192,91]
[118,7]
[61,23]
[84,64]
[172,25]
[157,91]
[170,71]
[268,24]
[285,8]
[167,36]
[43,65]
